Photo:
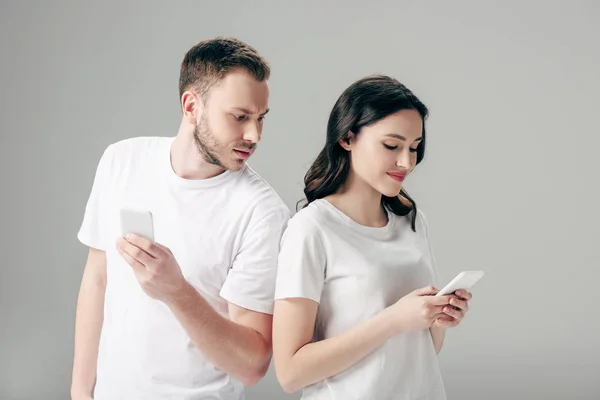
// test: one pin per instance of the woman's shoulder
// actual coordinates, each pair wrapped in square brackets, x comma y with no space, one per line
[308,215]
[421,223]
[309,219]
[304,228]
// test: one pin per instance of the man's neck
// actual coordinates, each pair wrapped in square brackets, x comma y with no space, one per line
[186,161]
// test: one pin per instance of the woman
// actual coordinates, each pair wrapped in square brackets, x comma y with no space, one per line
[354,313]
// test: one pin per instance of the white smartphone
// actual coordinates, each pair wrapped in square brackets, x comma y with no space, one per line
[139,222]
[464,280]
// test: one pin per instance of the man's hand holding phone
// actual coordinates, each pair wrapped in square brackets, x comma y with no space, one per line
[155,267]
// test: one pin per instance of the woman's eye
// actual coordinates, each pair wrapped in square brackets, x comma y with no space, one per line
[390,147]
[413,150]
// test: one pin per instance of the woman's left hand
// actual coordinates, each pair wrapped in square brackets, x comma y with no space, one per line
[455,311]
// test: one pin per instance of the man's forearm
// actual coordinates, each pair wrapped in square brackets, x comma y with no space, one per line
[88,325]
[437,335]
[236,349]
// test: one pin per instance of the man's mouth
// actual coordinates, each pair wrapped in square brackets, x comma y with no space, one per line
[244,154]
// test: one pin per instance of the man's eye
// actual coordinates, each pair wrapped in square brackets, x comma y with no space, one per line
[239,117]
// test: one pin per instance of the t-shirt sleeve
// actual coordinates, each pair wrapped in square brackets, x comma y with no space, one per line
[425,226]
[302,262]
[92,229]
[250,282]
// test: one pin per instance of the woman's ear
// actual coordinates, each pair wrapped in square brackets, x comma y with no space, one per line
[347,141]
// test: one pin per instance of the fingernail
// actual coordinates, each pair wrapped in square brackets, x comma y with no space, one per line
[128,236]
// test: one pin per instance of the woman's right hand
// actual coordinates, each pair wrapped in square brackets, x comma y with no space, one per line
[419,309]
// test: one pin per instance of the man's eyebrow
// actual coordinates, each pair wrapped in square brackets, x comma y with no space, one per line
[246,111]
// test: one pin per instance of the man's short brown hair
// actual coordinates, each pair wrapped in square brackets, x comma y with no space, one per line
[205,64]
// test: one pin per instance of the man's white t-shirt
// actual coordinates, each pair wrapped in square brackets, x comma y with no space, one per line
[354,272]
[225,234]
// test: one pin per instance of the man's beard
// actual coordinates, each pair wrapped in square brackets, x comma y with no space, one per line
[210,150]
[206,143]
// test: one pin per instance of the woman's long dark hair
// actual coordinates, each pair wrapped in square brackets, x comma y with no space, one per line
[365,102]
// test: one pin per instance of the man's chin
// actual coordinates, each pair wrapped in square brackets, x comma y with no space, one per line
[235,165]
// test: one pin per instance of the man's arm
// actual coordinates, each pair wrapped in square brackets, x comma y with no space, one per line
[88,325]
[240,346]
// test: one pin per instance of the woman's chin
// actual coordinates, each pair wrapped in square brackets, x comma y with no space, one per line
[391,191]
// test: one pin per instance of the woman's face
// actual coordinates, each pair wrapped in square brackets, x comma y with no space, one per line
[384,153]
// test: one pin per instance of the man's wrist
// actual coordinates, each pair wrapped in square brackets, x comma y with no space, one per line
[183,296]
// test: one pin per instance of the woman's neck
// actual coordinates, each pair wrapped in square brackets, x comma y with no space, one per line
[360,202]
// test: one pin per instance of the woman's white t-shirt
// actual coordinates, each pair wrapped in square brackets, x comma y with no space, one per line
[354,272]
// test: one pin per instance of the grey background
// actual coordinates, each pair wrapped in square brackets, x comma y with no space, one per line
[509,182]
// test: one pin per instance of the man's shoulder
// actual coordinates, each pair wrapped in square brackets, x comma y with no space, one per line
[131,152]
[134,145]
[259,194]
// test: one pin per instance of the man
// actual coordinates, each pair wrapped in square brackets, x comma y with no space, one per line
[189,315]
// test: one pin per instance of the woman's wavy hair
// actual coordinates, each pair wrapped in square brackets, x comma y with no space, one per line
[365,102]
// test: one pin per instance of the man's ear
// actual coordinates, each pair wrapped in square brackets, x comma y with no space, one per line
[347,141]
[192,106]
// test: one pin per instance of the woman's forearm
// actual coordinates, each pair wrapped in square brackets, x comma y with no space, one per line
[317,361]
[438,334]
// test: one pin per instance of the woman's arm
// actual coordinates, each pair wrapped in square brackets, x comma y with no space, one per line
[299,363]
[458,305]
[438,333]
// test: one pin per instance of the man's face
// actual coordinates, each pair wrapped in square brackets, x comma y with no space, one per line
[231,121]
